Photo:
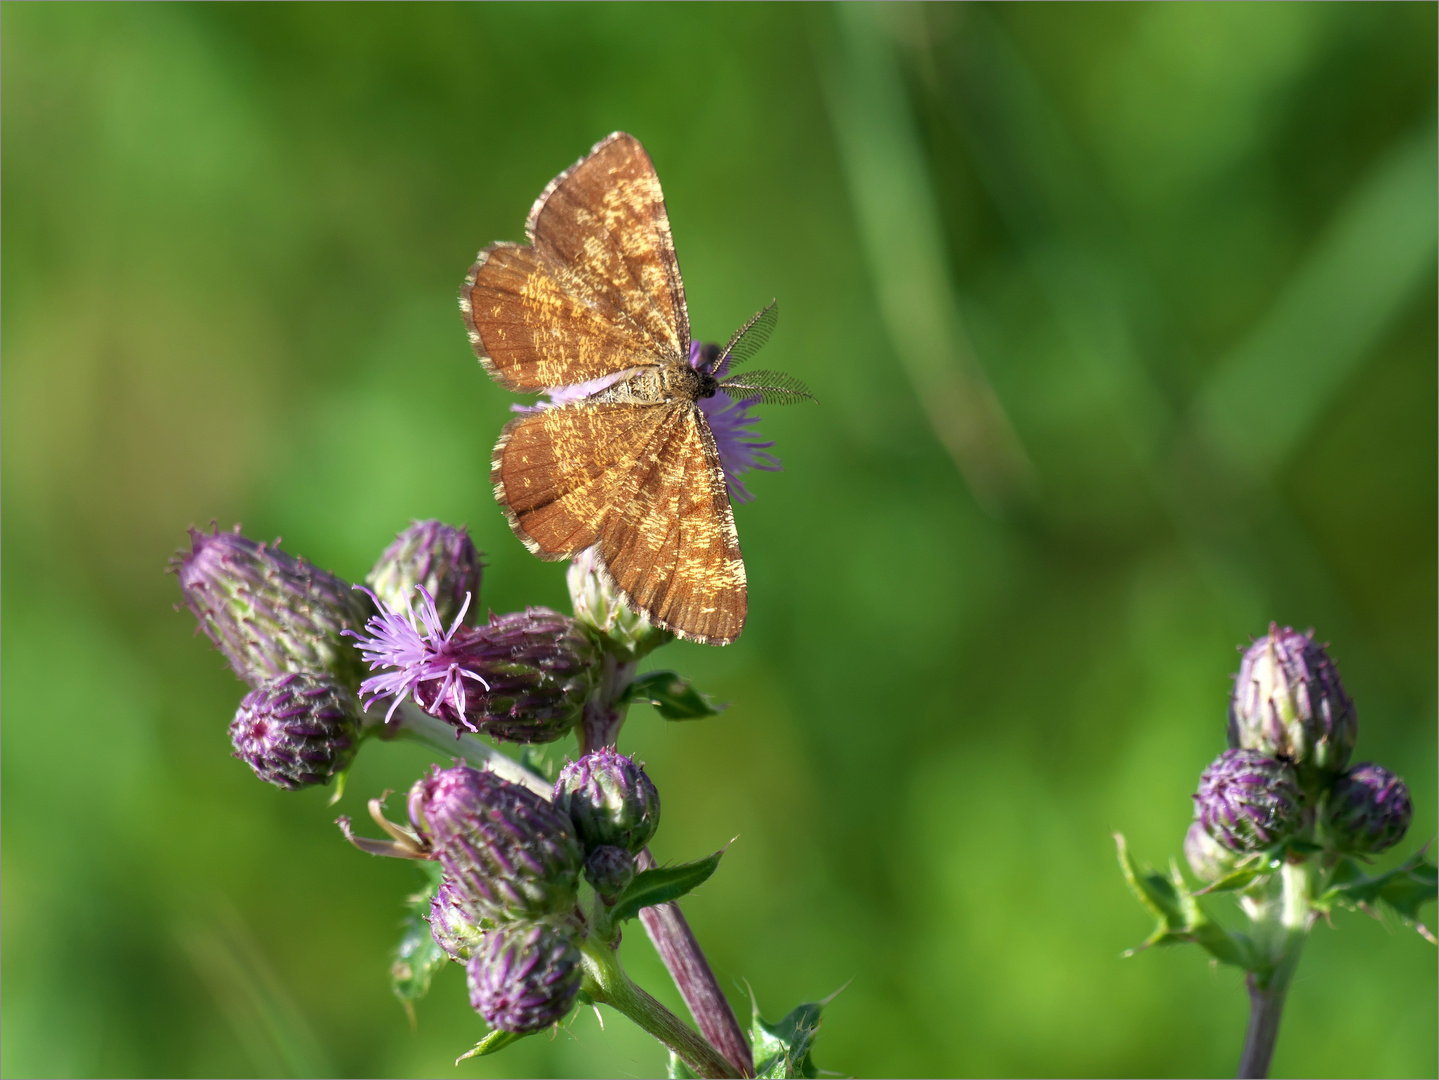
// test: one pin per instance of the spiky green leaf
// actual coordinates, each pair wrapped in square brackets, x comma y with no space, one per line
[672,696]
[661,885]
[416,958]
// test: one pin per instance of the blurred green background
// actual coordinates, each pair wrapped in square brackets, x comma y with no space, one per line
[1122,323]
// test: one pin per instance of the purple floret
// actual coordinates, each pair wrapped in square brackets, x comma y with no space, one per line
[740,447]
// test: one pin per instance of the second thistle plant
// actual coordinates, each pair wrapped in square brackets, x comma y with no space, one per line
[1279,823]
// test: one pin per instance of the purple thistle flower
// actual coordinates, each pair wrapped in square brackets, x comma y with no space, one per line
[1288,702]
[422,653]
[525,978]
[267,611]
[740,448]
[1369,809]
[522,676]
[439,557]
[506,852]
[1247,801]
[297,730]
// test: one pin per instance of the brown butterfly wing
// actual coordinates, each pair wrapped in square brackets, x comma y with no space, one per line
[644,483]
[599,291]
[559,472]
[673,549]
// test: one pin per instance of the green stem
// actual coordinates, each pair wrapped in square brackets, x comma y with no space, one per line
[419,726]
[606,981]
[1268,987]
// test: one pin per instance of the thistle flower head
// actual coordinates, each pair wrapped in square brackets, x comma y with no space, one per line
[598,607]
[1288,702]
[454,923]
[267,611]
[525,977]
[609,870]
[297,730]
[441,559]
[1248,801]
[1368,809]
[522,676]
[740,447]
[610,800]
[506,852]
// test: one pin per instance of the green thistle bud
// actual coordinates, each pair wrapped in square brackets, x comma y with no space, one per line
[1368,809]
[269,612]
[507,853]
[600,610]
[454,923]
[609,870]
[1247,801]
[1288,703]
[610,800]
[297,730]
[438,557]
[1209,859]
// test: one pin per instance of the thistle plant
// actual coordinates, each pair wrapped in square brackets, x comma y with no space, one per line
[527,879]
[1286,827]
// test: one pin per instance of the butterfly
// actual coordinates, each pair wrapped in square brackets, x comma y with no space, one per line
[592,311]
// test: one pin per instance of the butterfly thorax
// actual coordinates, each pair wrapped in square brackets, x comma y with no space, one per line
[664,384]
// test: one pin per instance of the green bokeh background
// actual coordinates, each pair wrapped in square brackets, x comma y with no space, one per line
[1189,249]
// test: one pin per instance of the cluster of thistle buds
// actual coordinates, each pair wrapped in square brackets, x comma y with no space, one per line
[301,639]
[1286,774]
[330,665]
[1285,823]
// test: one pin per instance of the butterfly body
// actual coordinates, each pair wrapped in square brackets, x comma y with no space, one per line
[627,465]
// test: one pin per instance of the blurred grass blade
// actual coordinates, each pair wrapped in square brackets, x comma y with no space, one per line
[902,237]
[1374,257]
[265,1018]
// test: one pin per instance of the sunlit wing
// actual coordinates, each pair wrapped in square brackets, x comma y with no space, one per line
[560,472]
[605,220]
[599,290]
[672,549]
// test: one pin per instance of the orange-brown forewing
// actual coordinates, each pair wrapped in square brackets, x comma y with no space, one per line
[598,292]
[643,482]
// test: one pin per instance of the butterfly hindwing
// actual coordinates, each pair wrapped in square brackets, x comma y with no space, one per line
[559,472]
[673,549]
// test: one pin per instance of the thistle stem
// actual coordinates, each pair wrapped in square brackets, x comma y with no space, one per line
[675,942]
[1268,988]
[606,981]
[419,726]
[666,926]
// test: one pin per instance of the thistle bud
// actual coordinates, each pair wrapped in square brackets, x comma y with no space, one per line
[454,923]
[269,612]
[609,869]
[524,977]
[610,800]
[439,557]
[1368,809]
[1209,859]
[297,730]
[1288,702]
[1247,802]
[522,677]
[599,608]
[506,852]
